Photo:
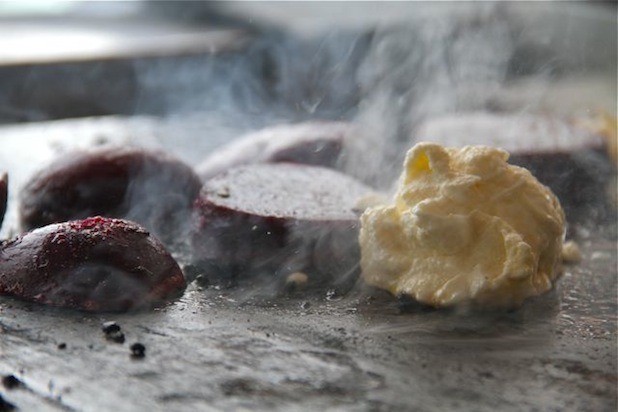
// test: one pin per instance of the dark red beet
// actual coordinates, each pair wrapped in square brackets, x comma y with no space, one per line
[4,183]
[96,264]
[147,187]
[569,159]
[313,143]
[278,219]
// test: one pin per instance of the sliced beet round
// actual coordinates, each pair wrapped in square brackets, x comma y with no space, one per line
[4,186]
[312,143]
[96,264]
[276,219]
[149,187]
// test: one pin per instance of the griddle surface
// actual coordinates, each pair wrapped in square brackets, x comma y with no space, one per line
[236,349]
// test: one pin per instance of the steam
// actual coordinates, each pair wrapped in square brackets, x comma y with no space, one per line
[439,65]
[160,197]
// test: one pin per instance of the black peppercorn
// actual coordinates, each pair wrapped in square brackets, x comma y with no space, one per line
[112,332]
[138,350]
[110,327]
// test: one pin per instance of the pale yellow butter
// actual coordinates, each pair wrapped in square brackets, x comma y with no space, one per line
[465,226]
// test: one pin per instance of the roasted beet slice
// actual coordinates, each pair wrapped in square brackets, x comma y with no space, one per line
[312,143]
[569,159]
[4,186]
[96,264]
[148,187]
[279,219]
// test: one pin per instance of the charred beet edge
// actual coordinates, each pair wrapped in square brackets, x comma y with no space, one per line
[311,143]
[147,187]
[96,264]
[277,219]
[4,183]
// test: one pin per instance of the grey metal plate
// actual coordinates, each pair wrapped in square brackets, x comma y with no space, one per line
[237,350]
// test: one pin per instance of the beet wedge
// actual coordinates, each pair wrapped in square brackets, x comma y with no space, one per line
[148,187]
[568,158]
[315,143]
[97,265]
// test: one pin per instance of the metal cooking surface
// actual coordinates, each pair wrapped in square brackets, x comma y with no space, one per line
[231,349]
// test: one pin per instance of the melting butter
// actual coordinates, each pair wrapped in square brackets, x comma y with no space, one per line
[465,226]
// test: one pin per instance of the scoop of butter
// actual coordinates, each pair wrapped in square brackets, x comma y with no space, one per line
[465,226]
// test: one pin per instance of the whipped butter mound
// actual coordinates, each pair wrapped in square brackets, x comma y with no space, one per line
[465,226]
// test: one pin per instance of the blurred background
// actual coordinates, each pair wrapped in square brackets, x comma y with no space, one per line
[66,59]
[191,76]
